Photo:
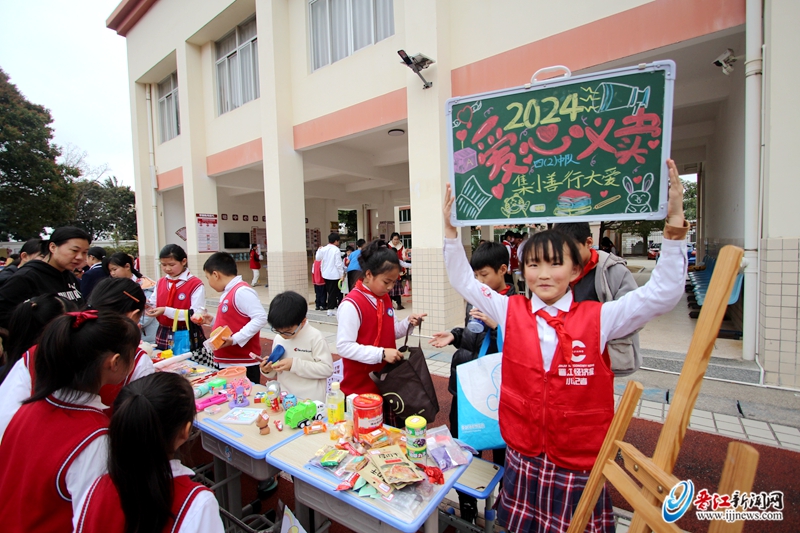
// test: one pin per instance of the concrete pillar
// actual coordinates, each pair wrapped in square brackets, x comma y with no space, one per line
[428,160]
[487,233]
[199,191]
[283,166]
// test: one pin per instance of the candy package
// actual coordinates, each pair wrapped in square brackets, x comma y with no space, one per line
[443,449]
[333,458]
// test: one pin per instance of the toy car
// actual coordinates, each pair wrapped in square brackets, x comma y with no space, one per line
[304,413]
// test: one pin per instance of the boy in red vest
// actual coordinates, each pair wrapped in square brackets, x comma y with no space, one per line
[557,390]
[240,310]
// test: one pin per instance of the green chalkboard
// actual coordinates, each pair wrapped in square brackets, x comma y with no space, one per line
[577,148]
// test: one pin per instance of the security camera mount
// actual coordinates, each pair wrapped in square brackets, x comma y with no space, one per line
[726,60]
[417,63]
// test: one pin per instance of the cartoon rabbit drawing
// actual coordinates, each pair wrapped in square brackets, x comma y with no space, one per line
[638,201]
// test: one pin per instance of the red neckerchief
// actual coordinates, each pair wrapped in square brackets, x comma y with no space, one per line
[505,290]
[171,285]
[564,340]
[378,304]
[590,264]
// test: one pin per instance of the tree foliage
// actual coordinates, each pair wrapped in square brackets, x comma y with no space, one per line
[104,208]
[35,190]
[348,222]
[690,199]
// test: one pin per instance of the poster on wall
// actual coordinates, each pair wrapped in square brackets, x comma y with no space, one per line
[207,233]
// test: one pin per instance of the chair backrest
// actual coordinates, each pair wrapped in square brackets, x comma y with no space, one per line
[655,474]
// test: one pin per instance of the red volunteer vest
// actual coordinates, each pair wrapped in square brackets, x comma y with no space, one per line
[102,509]
[564,413]
[356,378]
[29,360]
[108,393]
[42,441]
[182,298]
[229,315]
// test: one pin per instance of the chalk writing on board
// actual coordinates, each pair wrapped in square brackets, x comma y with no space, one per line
[578,148]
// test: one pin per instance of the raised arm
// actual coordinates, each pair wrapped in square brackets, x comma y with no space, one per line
[460,273]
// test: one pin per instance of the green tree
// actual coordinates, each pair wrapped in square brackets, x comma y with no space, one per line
[690,199]
[35,190]
[348,222]
[104,208]
[641,228]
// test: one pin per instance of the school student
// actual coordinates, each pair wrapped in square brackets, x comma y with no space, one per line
[121,265]
[240,310]
[63,253]
[56,444]
[332,270]
[368,329]
[30,251]
[557,391]
[149,491]
[255,264]
[95,258]
[178,291]
[307,364]
[320,296]
[354,272]
[27,323]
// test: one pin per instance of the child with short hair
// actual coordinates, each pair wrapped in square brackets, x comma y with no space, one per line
[489,262]
[240,310]
[320,295]
[308,363]
[178,290]
[149,491]
[557,390]
[56,444]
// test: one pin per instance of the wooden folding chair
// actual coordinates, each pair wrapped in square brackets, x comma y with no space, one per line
[655,474]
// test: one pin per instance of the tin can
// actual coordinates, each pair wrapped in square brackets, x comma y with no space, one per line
[415,437]
[367,414]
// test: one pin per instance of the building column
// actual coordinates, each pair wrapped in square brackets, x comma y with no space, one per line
[428,162]
[147,209]
[199,191]
[284,191]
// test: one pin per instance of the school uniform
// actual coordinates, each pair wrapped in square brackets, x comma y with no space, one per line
[367,325]
[52,451]
[183,292]
[194,507]
[556,405]
[242,311]
[18,385]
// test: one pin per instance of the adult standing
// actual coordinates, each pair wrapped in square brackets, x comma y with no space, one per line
[332,269]
[63,253]
[255,264]
[97,271]
[31,250]
[396,293]
[354,272]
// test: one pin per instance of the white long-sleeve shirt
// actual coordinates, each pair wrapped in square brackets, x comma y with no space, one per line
[347,333]
[202,515]
[332,264]
[16,388]
[312,364]
[198,298]
[618,318]
[248,303]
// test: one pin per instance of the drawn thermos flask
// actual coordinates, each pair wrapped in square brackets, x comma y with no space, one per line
[415,437]
[615,96]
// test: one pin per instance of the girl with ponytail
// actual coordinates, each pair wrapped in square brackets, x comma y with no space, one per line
[56,444]
[150,491]
[121,265]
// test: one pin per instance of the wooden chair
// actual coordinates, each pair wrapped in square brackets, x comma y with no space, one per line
[655,474]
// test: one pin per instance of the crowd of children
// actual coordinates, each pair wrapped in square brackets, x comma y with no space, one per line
[80,371]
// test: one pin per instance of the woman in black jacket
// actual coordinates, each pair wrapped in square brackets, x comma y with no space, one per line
[63,253]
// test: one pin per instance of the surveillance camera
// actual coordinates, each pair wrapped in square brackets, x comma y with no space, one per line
[725,58]
[727,68]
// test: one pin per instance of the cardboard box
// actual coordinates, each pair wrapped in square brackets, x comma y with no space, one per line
[218,336]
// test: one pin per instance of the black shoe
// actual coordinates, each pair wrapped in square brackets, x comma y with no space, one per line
[267,488]
[400,307]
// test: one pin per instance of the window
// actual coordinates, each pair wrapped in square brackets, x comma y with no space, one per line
[169,118]
[237,67]
[340,27]
[405,215]
[406,239]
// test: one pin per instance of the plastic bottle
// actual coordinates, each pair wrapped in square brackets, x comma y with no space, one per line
[335,404]
[476,325]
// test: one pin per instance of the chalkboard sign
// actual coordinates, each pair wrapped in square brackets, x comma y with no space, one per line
[580,148]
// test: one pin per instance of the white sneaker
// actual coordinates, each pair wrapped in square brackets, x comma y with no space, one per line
[330,312]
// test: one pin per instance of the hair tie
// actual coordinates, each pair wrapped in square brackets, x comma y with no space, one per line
[82,316]
[132,297]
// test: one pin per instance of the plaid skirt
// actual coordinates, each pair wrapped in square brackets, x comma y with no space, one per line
[164,337]
[540,497]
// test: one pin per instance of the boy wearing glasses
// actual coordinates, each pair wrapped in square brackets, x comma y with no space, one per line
[307,363]
[240,310]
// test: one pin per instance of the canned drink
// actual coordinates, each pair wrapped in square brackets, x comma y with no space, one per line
[416,446]
[367,414]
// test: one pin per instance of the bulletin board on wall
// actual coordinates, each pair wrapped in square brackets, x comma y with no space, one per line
[572,148]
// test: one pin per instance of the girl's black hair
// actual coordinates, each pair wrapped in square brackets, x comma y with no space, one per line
[121,259]
[27,322]
[62,235]
[377,258]
[393,234]
[118,295]
[172,251]
[548,246]
[72,351]
[149,414]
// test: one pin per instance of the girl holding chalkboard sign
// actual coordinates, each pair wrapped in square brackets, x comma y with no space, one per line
[557,389]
